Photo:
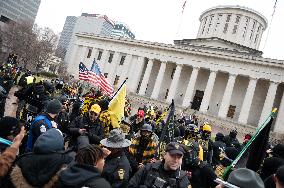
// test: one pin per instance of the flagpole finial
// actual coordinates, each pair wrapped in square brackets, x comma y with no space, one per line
[274,110]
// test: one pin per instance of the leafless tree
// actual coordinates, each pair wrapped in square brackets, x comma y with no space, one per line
[34,45]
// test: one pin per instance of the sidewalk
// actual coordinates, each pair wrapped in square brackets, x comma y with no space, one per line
[10,108]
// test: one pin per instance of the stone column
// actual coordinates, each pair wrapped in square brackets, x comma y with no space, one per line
[227,96]
[244,114]
[72,64]
[174,83]
[113,67]
[269,101]
[190,87]
[208,91]
[279,124]
[93,56]
[103,60]
[83,54]
[146,77]
[134,74]
[126,67]
[159,80]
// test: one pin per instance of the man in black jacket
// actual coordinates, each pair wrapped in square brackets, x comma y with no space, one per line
[88,125]
[117,167]
[166,173]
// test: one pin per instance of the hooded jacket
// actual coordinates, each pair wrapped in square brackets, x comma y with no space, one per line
[79,175]
[40,168]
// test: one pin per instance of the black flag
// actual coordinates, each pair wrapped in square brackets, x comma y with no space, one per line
[167,131]
[258,148]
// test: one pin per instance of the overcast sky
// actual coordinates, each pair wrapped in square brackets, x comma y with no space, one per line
[162,20]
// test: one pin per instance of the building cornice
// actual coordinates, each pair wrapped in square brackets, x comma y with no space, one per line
[190,50]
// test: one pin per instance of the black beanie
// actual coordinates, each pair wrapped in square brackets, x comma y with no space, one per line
[9,126]
[53,107]
[103,104]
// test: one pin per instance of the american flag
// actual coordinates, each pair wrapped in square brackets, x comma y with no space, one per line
[83,72]
[95,77]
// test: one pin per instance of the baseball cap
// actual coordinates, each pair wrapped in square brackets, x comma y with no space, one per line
[140,113]
[175,148]
[95,108]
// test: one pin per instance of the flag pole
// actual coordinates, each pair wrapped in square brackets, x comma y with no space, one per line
[171,109]
[272,113]
[119,87]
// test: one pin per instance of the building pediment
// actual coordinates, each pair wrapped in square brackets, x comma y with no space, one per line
[218,44]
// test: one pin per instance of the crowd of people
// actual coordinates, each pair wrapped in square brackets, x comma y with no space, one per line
[63,136]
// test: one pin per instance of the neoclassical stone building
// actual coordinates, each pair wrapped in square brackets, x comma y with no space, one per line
[221,73]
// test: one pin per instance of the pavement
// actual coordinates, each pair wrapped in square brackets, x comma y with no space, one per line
[11,103]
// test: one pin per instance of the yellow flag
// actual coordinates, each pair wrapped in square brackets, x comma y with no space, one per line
[116,107]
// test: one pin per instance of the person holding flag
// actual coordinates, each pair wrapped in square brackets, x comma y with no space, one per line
[113,112]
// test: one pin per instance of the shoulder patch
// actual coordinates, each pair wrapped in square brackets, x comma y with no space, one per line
[121,173]
[42,128]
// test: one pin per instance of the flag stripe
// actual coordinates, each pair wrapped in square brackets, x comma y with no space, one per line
[95,77]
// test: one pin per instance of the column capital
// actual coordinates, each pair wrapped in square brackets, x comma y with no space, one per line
[274,81]
[232,74]
[197,68]
[253,78]
[179,65]
[213,70]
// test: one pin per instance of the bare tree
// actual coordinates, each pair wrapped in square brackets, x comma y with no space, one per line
[34,45]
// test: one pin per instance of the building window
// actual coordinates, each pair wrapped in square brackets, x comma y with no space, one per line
[204,25]
[110,57]
[210,23]
[225,28]
[105,74]
[100,55]
[228,17]
[237,19]
[256,37]
[235,29]
[116,80]
[122,60]
[173,72]
[218,21]
[251,35]
[245,27]
[89,53]
[253,25]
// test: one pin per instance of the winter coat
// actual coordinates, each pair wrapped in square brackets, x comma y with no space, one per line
[40,168]
[95,131]
[79,175]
